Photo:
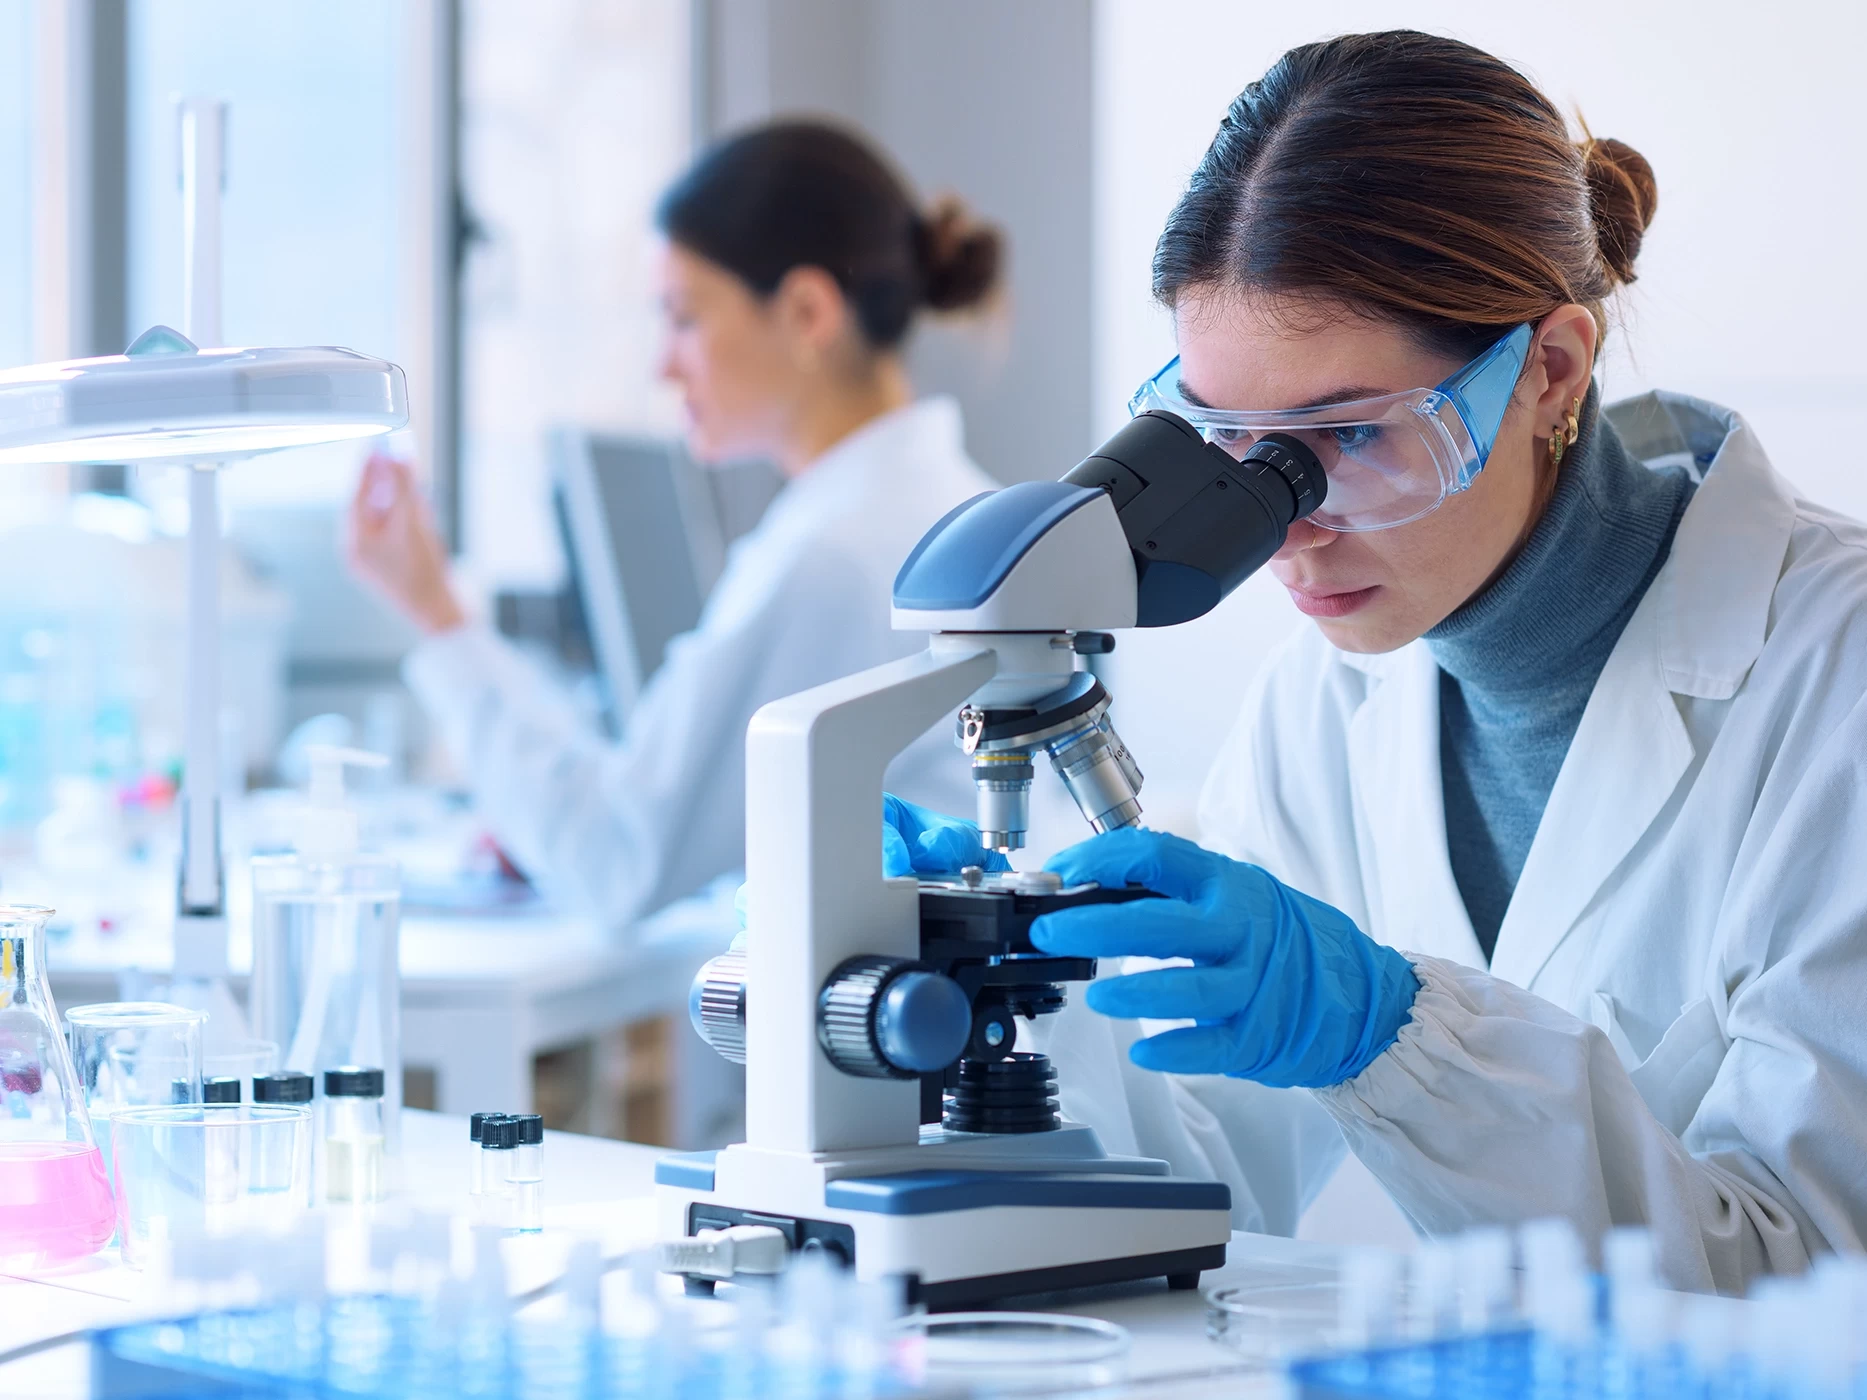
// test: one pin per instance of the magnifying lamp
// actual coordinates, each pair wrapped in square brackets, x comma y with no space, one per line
[164,400]
[168,399]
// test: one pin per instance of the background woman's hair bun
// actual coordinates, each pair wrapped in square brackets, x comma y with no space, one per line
[1622,195]
[962,257]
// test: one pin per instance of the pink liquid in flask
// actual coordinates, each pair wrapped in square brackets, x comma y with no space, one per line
[55,1204]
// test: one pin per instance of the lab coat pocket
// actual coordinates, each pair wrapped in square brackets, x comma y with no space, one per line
[1673,1080]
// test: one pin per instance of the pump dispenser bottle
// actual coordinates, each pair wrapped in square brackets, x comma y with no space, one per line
[326,921]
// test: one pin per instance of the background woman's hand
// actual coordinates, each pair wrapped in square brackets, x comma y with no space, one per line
[394,547]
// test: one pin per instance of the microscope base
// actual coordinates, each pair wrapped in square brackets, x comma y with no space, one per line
[959,1237]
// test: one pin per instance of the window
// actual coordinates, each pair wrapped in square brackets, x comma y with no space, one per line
[16,94]
[310,213]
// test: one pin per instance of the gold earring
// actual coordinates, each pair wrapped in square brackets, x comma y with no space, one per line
[1563,435]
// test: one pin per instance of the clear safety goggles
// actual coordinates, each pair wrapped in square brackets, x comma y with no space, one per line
[1389,460]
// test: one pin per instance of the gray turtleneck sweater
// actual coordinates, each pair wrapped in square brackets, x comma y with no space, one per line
[1520,660]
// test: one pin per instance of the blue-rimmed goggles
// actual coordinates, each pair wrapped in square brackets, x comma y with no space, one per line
[1389,459]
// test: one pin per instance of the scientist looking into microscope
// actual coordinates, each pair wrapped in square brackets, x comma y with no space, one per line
[795,266]
[1583,732]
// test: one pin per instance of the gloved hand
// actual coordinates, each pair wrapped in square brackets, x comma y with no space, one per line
[916,841]
[1284,989]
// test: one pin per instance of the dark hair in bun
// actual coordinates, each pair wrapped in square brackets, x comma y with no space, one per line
[1414,178]
[1622,195]
[960,255]
[809,194]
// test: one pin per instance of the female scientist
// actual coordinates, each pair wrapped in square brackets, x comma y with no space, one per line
[1582,724]
[795,266]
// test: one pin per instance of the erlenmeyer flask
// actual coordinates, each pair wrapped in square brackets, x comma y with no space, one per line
[55,1202]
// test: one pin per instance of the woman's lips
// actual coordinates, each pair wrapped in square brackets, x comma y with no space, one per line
[1315,603]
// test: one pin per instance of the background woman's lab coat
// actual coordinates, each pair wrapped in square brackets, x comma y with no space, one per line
[1673,1032]
[623,828]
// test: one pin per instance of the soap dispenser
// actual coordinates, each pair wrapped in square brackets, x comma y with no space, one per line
[326,932]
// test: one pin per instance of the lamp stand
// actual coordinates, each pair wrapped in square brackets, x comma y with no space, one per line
[201,896]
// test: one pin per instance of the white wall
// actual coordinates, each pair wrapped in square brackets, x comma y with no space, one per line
[1753,287]
[574,117]
[988,100]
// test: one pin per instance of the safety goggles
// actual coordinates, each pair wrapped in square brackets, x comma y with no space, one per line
[1389,460]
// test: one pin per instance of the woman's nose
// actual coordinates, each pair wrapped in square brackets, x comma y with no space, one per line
[1304,534]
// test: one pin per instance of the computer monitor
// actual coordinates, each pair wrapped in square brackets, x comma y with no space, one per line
[645,534]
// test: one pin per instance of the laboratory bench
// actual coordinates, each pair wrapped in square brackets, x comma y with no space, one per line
[482,994]
[602,1188]
[491,977]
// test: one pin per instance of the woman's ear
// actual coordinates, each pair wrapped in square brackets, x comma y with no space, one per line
[1565,358]
[812,313]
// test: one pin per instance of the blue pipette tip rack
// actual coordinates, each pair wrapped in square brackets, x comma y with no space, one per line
[370,1347]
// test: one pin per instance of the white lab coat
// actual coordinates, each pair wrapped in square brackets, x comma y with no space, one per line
[1673,1032]
[624,828]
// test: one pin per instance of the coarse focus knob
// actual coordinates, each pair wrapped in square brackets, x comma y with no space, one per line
[716,1004]
[890,1018]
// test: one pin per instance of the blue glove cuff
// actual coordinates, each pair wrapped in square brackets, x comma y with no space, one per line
[1390,1006]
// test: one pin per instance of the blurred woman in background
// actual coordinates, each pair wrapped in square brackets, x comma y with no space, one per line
[796,262]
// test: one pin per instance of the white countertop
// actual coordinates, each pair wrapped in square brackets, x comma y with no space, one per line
[605,1188]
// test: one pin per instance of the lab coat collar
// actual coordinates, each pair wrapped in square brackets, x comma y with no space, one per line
[923,433]
[1697,632]
[1713,598]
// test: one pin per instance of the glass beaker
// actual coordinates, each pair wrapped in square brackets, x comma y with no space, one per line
[55,1201]
[208,1169]
[326,977]
[132,1053]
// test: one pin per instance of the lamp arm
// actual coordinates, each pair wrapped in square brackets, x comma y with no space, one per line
[203,881]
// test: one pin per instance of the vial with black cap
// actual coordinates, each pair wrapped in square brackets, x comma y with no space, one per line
[512,1174]
[285,1087]
[277,1166]
[525,1174]
[220,1100]
[499,1144]
[353,1134]
[476,1179]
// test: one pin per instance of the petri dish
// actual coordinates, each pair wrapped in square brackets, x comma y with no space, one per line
[1018,1351]
[1272,1324]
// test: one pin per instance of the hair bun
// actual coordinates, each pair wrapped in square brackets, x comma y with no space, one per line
[961,256]
[1622,195]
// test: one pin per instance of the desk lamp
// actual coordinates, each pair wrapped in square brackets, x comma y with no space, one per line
[169,399]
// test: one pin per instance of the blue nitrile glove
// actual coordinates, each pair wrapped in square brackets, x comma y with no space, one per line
[1285,989]
[916,841]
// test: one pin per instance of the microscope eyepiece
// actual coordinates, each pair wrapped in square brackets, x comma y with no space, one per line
[1198,521]
[1295,465]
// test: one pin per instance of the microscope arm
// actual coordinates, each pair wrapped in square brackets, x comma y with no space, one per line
[814,766]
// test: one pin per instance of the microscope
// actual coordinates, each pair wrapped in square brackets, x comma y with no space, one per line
[891,1121]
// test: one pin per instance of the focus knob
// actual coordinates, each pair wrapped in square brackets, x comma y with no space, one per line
[716,1004]
[890,1018]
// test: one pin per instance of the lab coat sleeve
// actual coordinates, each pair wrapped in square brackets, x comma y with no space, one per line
[622,828]
[1495,1105]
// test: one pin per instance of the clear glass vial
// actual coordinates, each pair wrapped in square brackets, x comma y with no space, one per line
[476,1182]
[499,1142]
[221,1143]
[525,1174]
[273,1166]
[353,1134]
